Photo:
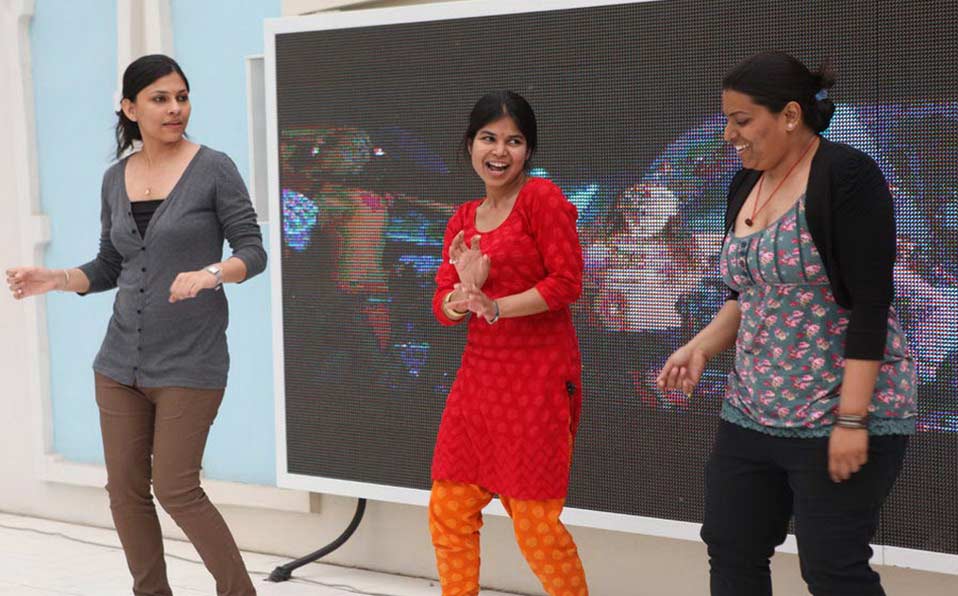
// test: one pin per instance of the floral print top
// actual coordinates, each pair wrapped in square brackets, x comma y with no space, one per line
[789,351]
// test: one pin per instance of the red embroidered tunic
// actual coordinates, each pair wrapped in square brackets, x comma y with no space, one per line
[514,407]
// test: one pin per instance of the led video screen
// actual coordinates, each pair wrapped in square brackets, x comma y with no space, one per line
[627,95]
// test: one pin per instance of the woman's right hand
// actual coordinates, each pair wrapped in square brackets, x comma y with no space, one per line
[471,265]
[32,281]
[683,369]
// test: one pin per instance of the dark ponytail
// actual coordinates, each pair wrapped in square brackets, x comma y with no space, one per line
[824,107]
[772,79]
[141,73]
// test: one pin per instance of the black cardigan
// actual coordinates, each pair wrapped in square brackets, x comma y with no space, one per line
[852,222]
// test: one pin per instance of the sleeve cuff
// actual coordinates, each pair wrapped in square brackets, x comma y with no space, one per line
[98,281]
[867,334]
[544,290]
[255,263]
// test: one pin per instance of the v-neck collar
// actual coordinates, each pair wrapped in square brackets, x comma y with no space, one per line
[161,208]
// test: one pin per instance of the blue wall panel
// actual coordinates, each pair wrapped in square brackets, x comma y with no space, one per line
[75,78]
[74,72]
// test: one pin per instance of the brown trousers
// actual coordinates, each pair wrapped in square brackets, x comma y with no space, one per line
[158,435]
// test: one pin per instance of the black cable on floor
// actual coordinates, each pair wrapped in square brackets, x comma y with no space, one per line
[285,572]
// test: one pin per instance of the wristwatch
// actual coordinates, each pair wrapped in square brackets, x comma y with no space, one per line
[216,272]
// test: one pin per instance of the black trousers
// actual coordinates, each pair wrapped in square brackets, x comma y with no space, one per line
[756,482]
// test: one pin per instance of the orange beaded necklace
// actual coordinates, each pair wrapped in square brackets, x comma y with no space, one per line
[755,207]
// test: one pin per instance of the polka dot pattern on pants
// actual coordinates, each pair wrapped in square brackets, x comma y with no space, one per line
[455,519]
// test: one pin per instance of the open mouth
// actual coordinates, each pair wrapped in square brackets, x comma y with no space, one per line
[741,148]
[497,166]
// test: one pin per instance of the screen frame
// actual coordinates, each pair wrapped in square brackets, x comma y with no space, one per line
[665,528]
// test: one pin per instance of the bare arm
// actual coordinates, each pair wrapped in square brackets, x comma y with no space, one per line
[719,335]
[73,280]
[848,447]
[36,281]
[858,386]
[233,269]
[188,284]
[684,368]
[468,297]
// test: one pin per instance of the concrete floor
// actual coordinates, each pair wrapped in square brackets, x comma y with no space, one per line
[46,558]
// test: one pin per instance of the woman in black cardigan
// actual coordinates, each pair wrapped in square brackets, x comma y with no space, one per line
[821,397]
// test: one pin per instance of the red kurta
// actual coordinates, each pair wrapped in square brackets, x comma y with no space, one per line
[514,406]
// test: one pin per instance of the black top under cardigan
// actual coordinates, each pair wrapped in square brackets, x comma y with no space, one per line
[851,219]
[151,342]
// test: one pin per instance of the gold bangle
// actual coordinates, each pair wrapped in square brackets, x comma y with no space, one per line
[449,311]
[66,281]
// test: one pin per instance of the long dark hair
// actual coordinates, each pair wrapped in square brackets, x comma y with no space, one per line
[772,79]
[141,73]
[495,105]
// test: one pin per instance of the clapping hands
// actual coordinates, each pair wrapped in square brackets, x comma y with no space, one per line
[471,265]
[473,299]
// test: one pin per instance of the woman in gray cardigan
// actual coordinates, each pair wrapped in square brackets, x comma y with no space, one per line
[161,372]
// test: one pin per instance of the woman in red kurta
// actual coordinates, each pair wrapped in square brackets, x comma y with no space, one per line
[513,261]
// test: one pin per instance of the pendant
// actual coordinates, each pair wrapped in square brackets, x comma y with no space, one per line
[147,193]
[748,221]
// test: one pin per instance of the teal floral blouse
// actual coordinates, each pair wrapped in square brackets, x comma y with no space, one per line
[788,366]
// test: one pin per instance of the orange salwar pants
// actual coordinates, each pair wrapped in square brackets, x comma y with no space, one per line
[455,517]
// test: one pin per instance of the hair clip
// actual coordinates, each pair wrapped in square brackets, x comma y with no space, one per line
[821,95]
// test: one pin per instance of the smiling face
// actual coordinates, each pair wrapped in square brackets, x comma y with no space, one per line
[499,152]
[760,137]
[161,109]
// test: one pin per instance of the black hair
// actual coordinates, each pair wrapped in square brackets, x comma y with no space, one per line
[141,73]
[495,105]
[772,79]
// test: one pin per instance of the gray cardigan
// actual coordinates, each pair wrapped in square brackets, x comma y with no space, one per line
[150,342]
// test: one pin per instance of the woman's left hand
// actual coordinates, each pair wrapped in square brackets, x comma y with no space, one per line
[471,265]
[474,300]
[847,452]
[189,284]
